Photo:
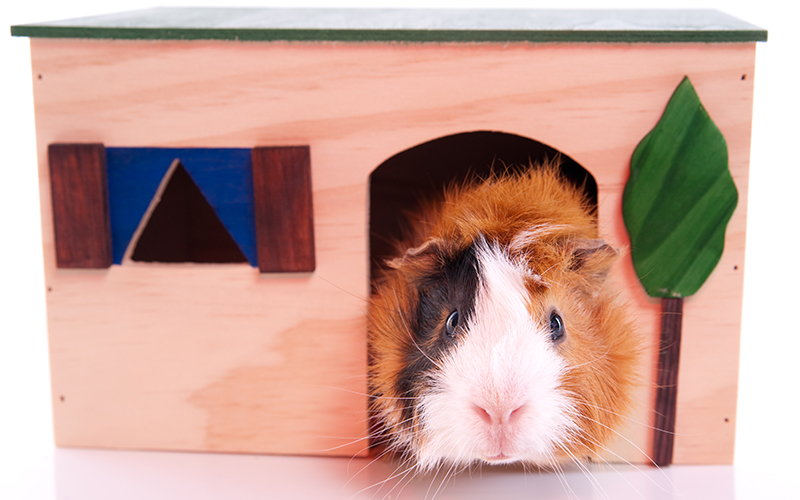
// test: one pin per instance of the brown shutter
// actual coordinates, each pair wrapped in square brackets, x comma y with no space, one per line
[283,209]
[79,188]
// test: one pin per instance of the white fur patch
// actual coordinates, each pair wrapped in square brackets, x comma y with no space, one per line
[533,233]
[497,395]
[528,237]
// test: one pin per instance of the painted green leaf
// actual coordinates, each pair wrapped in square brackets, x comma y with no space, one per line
[679,198]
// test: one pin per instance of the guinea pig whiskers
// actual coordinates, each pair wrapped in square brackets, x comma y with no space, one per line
[381,484]
[362,469]
[377,437]
[629,419]
[398,398]
[618,434]
[394,433]
[450,474]
[562,478]
[622,459]
[663,473]
[567,488]
[433,480]
[413,470]
[609,464]
[598,358]
[587,473]
[341,289]
[386,451]
[350,442]
[357,393]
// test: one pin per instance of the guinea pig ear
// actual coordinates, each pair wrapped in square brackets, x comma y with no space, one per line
[592,259]
[425,253]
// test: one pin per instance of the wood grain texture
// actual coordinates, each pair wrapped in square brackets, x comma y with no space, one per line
[667,380]
[79,188]
[283,209]
[215,358]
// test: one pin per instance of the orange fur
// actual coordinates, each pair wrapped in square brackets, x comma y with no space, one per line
[545,221]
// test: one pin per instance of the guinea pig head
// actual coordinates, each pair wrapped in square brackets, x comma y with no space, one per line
[499,351]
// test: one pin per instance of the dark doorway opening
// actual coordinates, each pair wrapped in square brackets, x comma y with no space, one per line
[422,172]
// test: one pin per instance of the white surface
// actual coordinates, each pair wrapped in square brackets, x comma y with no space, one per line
[767,435]
[84,474]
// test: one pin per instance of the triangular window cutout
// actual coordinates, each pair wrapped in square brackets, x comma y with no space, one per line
[181,226]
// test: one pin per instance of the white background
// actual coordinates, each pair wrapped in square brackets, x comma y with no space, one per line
[767,435]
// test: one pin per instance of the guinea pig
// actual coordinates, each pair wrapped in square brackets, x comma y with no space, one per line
[493,336]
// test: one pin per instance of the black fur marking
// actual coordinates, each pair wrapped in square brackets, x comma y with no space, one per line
[452,286]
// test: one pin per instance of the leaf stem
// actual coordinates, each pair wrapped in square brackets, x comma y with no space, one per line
[667,388]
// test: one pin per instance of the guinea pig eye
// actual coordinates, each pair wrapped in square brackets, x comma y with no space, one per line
[451,325]
[556,328]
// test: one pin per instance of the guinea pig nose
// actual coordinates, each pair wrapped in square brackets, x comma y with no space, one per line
[500,414]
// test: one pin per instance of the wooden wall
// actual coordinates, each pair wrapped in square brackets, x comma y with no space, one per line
[220,357]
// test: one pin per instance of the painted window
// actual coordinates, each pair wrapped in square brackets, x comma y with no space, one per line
[182,205]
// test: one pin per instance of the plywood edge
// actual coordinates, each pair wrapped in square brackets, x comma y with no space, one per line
[406,25]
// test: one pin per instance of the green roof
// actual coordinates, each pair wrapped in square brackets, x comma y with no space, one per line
[405,25]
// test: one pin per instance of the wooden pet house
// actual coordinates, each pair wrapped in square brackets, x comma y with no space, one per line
[216,182]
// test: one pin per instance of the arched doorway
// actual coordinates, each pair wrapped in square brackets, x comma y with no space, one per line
[420,173]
